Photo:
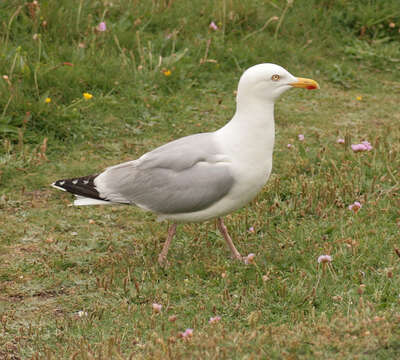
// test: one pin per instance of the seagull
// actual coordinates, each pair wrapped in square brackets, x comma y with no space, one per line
[201,176]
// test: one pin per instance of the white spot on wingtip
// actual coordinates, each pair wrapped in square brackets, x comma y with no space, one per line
[74,182]
[57,187]
[61,182]
[86,182]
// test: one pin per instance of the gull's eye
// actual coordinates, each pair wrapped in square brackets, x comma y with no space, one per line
[275,77]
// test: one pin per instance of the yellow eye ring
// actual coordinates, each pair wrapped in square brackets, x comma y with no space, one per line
[275,77]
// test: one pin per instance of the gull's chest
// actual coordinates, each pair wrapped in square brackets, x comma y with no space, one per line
[253,174]
[250,176]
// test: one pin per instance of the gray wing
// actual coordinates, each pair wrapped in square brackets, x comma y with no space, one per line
[186,175]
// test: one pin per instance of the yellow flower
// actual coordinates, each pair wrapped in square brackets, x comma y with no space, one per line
[87,96]
[47,100]
[167,72]
[359,98]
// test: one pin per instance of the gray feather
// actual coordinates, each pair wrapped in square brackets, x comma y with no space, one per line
[185,175]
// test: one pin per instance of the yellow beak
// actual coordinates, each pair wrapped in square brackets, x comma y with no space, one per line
[304,83]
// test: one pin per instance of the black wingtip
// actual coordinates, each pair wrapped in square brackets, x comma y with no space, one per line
[83,186]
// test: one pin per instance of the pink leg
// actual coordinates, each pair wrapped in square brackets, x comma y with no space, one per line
[162,258]
[224,231]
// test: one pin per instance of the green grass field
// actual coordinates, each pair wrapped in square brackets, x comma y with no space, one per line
[79,283]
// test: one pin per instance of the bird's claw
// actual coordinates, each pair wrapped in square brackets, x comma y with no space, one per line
[237,257]
[162,261]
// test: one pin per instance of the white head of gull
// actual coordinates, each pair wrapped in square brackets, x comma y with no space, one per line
[201,176]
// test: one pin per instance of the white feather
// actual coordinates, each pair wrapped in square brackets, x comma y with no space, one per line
[81,200]
[57,187]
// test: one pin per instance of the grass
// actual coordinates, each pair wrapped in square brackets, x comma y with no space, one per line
[80,282]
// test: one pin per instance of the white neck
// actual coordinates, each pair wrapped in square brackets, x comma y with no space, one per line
[252,129]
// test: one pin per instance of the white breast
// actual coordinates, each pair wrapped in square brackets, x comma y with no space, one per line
[249,155]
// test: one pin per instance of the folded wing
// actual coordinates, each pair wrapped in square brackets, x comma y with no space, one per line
[185,175]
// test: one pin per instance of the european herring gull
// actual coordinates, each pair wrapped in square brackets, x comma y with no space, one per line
[201,176]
